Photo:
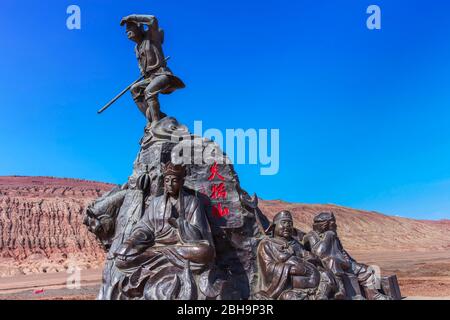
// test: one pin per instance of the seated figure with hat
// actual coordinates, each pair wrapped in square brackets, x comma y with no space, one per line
[171,247]
[323,241]
[286,270]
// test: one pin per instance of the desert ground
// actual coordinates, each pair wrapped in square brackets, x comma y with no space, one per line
[421,275]
[41,236]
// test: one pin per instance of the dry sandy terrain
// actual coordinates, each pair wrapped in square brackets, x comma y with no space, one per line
[422,275]
[50,286]
[41,235]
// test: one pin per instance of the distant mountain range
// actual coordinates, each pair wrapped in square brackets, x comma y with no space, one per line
[41,226]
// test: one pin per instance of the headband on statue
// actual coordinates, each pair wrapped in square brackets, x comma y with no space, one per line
[170,169]
[324,217]
[280,216]
[283,215]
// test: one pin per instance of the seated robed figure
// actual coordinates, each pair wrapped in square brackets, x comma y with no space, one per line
[323,241]
[286,270]
[170,247]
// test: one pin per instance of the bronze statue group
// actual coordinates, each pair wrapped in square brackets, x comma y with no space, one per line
[161,246]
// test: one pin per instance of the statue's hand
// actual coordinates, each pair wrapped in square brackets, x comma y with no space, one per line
[303,269]
[135,245]
[138,19]
[125,20]
[128,255]
[298,270]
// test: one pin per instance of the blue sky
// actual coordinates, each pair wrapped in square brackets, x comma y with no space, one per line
[364,115]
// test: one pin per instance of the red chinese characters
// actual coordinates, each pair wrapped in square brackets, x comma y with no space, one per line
[215,173]
[220,212]
[218,192]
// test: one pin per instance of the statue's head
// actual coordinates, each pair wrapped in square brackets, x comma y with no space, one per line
[324,221]
[173,178]
[283,225]
[134,31]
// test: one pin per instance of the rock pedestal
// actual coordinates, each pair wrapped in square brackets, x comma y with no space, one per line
[235,220]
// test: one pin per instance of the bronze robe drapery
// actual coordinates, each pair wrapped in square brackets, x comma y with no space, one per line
[328,248]
[163,262]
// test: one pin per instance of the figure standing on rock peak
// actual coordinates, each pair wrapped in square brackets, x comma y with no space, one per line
[157,77]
